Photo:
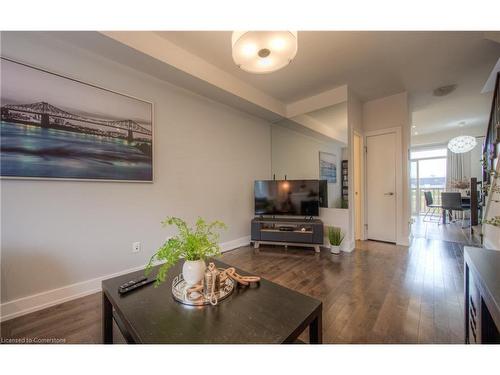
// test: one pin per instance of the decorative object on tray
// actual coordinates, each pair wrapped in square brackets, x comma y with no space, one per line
[193,270]
[195,296]
[335,237]
[193,244]
[217,284]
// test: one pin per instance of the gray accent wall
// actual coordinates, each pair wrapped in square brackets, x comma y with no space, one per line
[206,157]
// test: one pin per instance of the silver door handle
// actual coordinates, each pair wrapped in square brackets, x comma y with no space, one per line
[389,193]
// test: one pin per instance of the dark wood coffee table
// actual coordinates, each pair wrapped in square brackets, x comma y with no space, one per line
[263,314]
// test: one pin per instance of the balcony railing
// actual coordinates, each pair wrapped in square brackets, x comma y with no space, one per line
[421,207]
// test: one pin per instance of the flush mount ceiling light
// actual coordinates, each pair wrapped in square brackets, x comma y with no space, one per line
[263,51]
[461,144]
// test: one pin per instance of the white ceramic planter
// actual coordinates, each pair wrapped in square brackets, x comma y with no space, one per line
[193,271]
[334,249]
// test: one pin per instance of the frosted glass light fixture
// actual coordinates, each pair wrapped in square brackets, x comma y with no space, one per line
[461,144]
[263,51]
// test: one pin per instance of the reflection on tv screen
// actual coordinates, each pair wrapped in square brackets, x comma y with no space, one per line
[287,197]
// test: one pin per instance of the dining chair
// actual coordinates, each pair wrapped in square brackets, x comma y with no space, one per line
[432,207]
[452,201]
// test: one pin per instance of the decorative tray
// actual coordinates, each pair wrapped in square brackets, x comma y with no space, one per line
[180,293]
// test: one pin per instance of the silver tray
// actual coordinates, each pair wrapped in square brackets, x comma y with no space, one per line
[179,293]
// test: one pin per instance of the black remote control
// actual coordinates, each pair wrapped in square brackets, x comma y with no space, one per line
[145,281]
[132,282]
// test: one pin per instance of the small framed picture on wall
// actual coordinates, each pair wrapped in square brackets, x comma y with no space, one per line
[328,167]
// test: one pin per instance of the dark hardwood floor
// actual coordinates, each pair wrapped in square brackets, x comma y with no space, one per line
[379,293]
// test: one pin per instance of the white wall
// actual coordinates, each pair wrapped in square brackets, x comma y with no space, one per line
[338,217]
[388,112]
[296,155]
[393,112]
[206,156]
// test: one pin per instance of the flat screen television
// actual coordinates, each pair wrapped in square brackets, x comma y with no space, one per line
[287,197]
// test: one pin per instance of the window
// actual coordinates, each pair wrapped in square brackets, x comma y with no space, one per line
[427,173]
[428,153]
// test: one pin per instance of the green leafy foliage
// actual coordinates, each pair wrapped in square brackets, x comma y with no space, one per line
[195,243]
[491,187]
[495,221]
[335,236]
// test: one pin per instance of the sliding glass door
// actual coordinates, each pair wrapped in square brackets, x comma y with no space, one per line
[427,173]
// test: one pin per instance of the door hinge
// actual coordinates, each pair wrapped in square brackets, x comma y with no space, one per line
[366,149]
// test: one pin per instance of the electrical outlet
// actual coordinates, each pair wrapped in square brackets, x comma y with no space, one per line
[136,247]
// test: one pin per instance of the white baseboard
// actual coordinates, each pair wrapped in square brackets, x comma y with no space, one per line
[403,242]
[39,301]
[349,247]
[234,244]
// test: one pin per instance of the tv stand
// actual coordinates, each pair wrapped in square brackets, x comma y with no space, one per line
[280,231]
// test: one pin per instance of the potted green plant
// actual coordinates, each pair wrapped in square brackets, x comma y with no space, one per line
[335,237]
[193,244]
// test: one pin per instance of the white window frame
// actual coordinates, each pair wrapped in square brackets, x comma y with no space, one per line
[417,210]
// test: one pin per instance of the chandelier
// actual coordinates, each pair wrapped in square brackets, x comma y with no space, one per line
[461,144]
[263,51]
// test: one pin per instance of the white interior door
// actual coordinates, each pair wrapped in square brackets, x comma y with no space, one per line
[381,187]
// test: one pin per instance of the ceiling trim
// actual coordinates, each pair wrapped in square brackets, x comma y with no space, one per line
[161,49]
[315,102]
[150,43]
[319,127]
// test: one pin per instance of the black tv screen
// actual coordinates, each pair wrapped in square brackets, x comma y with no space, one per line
[287,197]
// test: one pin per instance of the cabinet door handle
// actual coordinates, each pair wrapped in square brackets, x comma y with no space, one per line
[389,193]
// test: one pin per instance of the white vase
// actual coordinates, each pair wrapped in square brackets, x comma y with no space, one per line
[193,271]
[335,249]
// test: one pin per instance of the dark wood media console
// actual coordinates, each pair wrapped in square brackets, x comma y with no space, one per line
[281,231]
[482,296]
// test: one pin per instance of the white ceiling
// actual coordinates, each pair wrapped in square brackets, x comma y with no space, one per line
[373,65]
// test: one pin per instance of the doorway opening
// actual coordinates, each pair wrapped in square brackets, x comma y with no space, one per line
[429,179]
[427,174]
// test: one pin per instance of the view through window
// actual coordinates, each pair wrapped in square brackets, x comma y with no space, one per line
[427,173]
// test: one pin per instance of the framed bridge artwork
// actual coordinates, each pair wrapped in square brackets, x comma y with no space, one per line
[54,127]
